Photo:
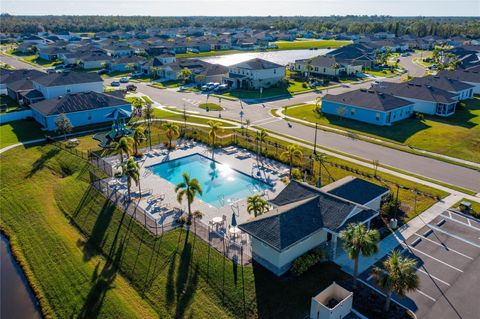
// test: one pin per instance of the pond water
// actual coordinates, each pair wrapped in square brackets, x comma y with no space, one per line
[16,298]
[281,57]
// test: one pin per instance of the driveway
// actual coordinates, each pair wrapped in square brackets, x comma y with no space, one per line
[447,251]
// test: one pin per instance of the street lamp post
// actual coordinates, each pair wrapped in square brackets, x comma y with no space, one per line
[315,143]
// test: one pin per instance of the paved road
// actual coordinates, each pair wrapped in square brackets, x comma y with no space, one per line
[18,64]
[414,70]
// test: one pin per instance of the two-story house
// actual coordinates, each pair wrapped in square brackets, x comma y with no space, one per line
[255,74]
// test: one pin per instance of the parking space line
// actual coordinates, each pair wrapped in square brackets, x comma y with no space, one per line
[454,236]
[424,294]
[445,246]
[462,223]
[433,277]
[436,259]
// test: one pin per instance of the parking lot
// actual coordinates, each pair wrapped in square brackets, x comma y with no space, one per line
[447,251]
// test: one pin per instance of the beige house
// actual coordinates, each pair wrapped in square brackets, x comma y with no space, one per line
[326,65]
[304,217]
[255,74]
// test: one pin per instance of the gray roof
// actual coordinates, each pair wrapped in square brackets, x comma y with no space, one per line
[20,85]
[77,102]
[320,61]
[9,76]
[308,211]
[368,99]
[443,82]
[65,78]
[471,75]
[349,189]
[416,91]
[256,64]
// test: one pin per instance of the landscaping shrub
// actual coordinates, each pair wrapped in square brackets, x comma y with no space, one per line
[296,174]
[305,85]
[304,262]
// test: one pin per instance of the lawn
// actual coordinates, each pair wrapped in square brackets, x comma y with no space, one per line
[475,208]
[42,62]
[310,44]
[7,104]
[67,231]
[457,135]
[19,131]
[162,114]
[210,106]
[116,74]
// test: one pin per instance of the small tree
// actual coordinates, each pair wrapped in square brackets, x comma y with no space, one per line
[262,138]
[171,131]
[397,276]
[132,171]
[257,205]
[185,74]
[293,152]
[213,132]
[124,145]
[149,116]
[358,240]
[64,126]
[138,136]
[188,189]
[375,164]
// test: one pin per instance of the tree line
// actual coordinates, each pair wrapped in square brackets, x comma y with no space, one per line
[415,26]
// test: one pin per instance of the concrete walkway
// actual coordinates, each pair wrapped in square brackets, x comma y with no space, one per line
[392,241]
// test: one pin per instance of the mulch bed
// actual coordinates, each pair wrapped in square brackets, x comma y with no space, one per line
[370,303]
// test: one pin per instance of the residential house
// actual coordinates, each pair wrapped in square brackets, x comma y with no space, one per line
[368,106]
[119,50]
[59,84]
[426,98]
[10,76]
[326,65]
[126,63]
[51,53]
[255,74]
[461,89]
[470,76]
[158,61]
[355,54]
[94,60]
[84,108]
[202,71]
[304,217]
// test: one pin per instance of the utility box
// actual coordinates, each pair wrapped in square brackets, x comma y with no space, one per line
[335,302]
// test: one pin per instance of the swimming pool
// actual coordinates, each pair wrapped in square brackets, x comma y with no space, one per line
[221,184]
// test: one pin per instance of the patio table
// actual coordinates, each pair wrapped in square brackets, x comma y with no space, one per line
[234,231]
[217,221]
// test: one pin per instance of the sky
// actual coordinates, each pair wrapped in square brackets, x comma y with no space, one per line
[243,7]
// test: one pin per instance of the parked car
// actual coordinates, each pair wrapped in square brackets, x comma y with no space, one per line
[135,74]
[51,70]
[124,80]
[221,87]
[131,87]
[115,83]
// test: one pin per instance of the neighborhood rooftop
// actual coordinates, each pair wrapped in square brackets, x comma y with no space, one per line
[370,99]
[66,78]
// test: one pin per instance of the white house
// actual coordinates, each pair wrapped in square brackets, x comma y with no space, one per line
[254,74]
[305,217]
[426,98]
[461,89]
[470,76]
[59,84]
[82,109]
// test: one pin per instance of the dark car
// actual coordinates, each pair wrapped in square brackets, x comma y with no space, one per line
[115,83]
[131,87]
[102,72]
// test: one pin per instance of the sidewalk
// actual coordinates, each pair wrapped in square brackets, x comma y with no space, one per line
[393,240]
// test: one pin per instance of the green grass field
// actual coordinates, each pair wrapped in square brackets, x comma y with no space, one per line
[457,135]
[210,106]
[255,94]
[87,259]
[19,131]
[310,44]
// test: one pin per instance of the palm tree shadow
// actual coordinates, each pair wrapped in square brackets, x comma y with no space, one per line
[40,162]
[102,283]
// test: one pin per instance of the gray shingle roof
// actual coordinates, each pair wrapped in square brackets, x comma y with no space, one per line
[257,64]
[8,76]
[416,91]
[308,211]
[77,102]
[471,75]
[369,99]
[443,82]
[358,190]
[65,78]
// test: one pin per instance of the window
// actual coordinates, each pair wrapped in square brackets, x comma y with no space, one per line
[324,70]
[377,116]
[68,90]
[316,68]
[352,111]
[274,71]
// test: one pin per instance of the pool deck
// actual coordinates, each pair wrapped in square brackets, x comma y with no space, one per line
[162,210]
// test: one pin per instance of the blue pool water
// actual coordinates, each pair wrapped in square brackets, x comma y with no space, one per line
[221,184]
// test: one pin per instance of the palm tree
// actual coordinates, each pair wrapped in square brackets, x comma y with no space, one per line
[293,152]
[131,170]
[196,215]
[149,115]
[138,136]
[397,276]
[262,136]
[320,158]
[357,239]
[188,189]
[257,205]
[185,74]
[212,133]
[124,145]
[171,131]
